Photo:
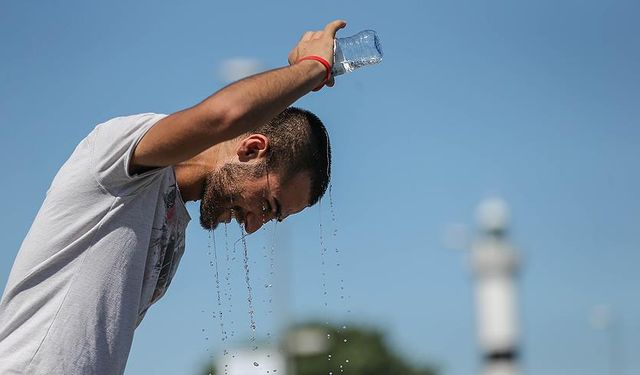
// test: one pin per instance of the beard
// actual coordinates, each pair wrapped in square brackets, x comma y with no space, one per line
[222,188]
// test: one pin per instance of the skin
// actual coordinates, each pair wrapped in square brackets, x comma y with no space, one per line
[231,180]
[203,140]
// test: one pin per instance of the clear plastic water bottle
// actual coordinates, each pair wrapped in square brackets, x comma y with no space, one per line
[356,51]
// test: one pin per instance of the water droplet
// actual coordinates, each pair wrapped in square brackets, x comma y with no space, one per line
[345,340]
[346,360]
[256,364]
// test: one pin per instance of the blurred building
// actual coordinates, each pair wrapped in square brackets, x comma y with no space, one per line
[495,266]
[245,361]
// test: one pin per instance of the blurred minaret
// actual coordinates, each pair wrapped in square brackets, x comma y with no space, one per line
[495,266]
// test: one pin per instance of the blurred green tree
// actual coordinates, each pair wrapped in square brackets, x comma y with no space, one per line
[356,351]
[360,351]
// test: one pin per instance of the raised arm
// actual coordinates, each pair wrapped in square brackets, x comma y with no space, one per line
[239,107]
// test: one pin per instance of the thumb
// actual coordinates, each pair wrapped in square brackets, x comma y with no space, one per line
[333,26]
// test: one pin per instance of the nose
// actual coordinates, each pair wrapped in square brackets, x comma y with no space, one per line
[254,222]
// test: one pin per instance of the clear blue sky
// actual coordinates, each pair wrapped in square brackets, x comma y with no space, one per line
[535,102]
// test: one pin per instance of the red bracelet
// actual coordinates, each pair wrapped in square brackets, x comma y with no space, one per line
[324,62]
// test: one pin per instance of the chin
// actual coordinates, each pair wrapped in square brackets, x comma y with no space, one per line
[207,223]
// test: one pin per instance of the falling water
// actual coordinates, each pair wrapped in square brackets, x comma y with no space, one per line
[270,281]
[214,263]
[323,253]
[335,234]
[344,300]
[252,320]
[323,256]
[227,277]
[337,250]
[212,240]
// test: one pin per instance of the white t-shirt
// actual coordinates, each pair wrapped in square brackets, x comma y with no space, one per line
[103,248]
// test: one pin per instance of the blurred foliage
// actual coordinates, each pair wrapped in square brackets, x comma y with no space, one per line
[365,352]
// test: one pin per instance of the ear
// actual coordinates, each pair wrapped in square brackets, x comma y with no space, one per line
[253,147]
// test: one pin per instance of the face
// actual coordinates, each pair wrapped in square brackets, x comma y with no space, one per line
[251,196]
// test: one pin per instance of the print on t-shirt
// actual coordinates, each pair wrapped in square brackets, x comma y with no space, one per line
[168,243]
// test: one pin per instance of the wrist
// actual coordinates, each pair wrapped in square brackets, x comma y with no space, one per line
[320,68]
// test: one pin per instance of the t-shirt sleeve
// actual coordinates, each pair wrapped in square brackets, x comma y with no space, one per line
[113,144]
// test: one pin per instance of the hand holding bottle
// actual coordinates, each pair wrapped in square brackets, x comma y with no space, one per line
[318,43]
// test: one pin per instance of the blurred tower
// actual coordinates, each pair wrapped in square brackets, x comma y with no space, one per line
[495,266]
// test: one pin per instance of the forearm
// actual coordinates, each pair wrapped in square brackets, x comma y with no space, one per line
[253,101]
[230,112]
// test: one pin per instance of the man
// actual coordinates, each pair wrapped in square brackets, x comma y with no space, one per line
[110,233]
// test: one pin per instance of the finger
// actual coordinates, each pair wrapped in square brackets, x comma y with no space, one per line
[331,82]
[333,26]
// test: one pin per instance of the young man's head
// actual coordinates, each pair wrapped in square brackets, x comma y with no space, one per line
[282,167]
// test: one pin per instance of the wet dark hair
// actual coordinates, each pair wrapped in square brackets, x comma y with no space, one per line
[299,142]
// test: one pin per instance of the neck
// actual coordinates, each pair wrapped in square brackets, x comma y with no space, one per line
[192,173]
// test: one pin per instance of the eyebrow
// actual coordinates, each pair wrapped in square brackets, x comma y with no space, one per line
[278,209]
